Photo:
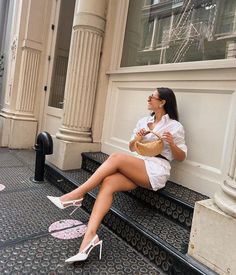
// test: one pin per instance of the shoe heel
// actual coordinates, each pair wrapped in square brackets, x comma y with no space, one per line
[100,252]
[74,210]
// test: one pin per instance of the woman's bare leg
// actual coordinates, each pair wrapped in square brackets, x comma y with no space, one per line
[131,167]
[110,185]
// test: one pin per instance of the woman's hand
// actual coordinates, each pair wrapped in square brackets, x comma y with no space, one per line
[168,137]
[142,132]
[178,154]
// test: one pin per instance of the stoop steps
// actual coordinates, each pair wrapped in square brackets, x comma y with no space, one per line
[156,224]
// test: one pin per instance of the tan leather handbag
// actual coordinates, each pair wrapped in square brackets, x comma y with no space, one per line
[149,148]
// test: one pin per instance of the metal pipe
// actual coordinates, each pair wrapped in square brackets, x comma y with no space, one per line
[43,146]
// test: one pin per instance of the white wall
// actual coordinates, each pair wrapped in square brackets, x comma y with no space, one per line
[207,107]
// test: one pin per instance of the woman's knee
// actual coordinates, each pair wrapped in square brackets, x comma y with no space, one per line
[106,185]
[116,157]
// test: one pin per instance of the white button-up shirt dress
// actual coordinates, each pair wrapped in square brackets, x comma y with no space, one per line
[158,169]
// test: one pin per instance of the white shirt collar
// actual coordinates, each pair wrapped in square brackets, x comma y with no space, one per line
[164,118]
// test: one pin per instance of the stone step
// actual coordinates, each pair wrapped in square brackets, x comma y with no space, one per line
[174,201]
[159,239]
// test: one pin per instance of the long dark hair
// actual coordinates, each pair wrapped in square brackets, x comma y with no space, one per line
[170,106]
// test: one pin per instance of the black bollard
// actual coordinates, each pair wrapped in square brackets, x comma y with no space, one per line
[43,146]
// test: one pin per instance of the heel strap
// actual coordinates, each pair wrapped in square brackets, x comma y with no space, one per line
[73,201]
[92,243]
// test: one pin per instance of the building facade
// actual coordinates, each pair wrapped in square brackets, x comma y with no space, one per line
[82,70]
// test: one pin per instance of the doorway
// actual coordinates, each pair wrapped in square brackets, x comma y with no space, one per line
[59,54]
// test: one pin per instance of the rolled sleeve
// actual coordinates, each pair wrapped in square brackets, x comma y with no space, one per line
[179,139]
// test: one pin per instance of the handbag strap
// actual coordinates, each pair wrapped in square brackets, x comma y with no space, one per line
[139,138]
[156,134]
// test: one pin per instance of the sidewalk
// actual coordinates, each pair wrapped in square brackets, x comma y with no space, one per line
[27,247]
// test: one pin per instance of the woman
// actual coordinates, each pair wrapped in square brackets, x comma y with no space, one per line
[121,172]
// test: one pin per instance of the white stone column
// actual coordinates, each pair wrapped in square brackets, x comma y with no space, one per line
[20,124]
[3,15]
[83,66]
[225,199]
[18,118]
[75,135]
[212,239]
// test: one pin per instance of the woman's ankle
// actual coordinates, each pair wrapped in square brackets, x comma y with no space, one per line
[87,238]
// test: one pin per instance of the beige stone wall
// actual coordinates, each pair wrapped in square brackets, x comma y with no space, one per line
[207,107]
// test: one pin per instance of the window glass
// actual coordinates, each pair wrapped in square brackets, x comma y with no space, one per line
[61,54]
[164,31]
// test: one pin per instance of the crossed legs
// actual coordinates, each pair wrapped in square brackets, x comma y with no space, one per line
[119,172]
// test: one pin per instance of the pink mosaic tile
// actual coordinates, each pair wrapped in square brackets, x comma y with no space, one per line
[67,229]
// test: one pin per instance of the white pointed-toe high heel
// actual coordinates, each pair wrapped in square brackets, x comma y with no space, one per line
[83,255]
[62,205]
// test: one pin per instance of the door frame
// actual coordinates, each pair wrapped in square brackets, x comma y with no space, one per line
[48,65]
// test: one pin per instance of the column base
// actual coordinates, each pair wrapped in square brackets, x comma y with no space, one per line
[212,239]
[17,133]
[225,199]
[67,155]
[74,136]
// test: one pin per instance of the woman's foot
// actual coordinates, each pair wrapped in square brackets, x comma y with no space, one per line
[84,253]
[62,205]
[70,197]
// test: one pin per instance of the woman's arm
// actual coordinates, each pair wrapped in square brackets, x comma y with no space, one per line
[177,153]
[131,145]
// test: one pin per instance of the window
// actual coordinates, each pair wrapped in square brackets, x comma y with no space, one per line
[61,55]
[164,31]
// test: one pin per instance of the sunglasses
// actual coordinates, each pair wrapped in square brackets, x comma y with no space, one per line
[153,97]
